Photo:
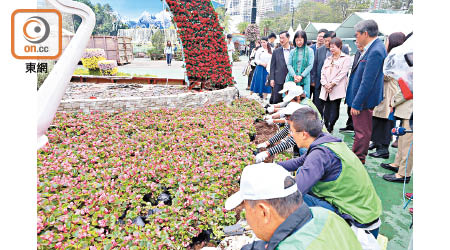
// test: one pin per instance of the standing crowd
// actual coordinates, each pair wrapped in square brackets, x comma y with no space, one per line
[331,197]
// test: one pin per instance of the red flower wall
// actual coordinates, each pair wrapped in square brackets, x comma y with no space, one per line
[203,41]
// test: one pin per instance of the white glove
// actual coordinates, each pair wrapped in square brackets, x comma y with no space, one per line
[261,156]
[270,121]
[267,117]
[262,145]
[271,109]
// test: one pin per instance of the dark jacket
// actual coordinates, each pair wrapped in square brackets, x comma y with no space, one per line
[355,62]
[293,223]
[365,87]
[278,67]
[318,164]
[319,59]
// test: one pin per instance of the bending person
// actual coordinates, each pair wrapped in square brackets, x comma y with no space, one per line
[277,214]
[330,175]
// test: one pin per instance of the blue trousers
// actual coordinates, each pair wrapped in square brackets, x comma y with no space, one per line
[169,58]
[313,201]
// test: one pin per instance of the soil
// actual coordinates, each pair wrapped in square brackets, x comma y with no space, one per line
[264,132]
[203,244]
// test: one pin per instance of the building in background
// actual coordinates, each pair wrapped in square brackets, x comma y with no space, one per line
[241,10]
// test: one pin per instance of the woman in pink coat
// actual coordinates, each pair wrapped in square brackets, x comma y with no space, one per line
[334,82]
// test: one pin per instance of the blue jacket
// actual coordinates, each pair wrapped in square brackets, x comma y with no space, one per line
[365,87]
[318,164]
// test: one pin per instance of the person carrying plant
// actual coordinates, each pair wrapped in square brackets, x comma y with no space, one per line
[277,214]
[330,175]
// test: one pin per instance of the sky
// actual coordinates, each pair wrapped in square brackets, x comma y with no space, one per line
[132,9]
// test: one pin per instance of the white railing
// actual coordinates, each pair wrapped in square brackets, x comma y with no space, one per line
[53,88]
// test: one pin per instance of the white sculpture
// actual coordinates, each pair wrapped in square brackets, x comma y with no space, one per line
[54,87]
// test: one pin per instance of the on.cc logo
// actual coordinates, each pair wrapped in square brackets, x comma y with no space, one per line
[36,29]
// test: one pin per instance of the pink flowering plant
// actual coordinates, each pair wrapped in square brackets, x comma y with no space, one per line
[100,171]
[108,67]
[252,32]
[90,59]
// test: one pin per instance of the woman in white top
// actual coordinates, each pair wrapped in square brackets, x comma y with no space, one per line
[169,53]
[262,60]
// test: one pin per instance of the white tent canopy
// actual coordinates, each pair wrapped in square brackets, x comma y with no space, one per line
[312,28]
[299,27]
[291,32]
[328,26]
[387,23]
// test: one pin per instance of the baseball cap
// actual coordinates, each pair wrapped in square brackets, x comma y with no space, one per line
[291,108]
[261,182]
[287,86]
[293,92]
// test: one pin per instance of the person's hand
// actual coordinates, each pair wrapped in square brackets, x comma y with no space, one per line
[270,121]
[262,145]
[272,83]
[313,84]
[261,156]
[354,111]
[267,117]
[271,109]
[264,65]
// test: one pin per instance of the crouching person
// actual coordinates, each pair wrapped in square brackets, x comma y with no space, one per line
[330,175]
[275,211]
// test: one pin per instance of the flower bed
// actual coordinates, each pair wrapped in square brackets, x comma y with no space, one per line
[204,43]
[108,67]
[90,59]
[101,171]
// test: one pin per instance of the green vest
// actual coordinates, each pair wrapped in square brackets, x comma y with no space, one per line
[352,192]
[307,101]
[326,230]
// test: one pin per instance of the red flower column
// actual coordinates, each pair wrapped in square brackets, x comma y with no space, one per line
[203,41]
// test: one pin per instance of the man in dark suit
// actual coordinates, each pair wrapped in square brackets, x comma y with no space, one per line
[319,58]
[365,87]
[278,68]
[320,41]
[349,124]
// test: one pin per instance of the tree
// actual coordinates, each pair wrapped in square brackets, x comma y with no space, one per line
[106,22]
[224,20]
[266,25]
[242,26]
[397,4]
[345,8]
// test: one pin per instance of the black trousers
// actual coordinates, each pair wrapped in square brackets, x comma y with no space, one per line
[349,123]
[250,76]
[331,113]
[381,131]
[276,97]
[316,100]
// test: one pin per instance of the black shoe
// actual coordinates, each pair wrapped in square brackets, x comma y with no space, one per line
[392,178]
[389,167]
[346,129]
[372,146]
[380,153]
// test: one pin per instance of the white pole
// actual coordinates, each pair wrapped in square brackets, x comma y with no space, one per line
[54,87]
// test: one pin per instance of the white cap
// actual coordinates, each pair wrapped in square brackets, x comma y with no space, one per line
[291,108]
[261,182]
[287,86]
[293,92]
